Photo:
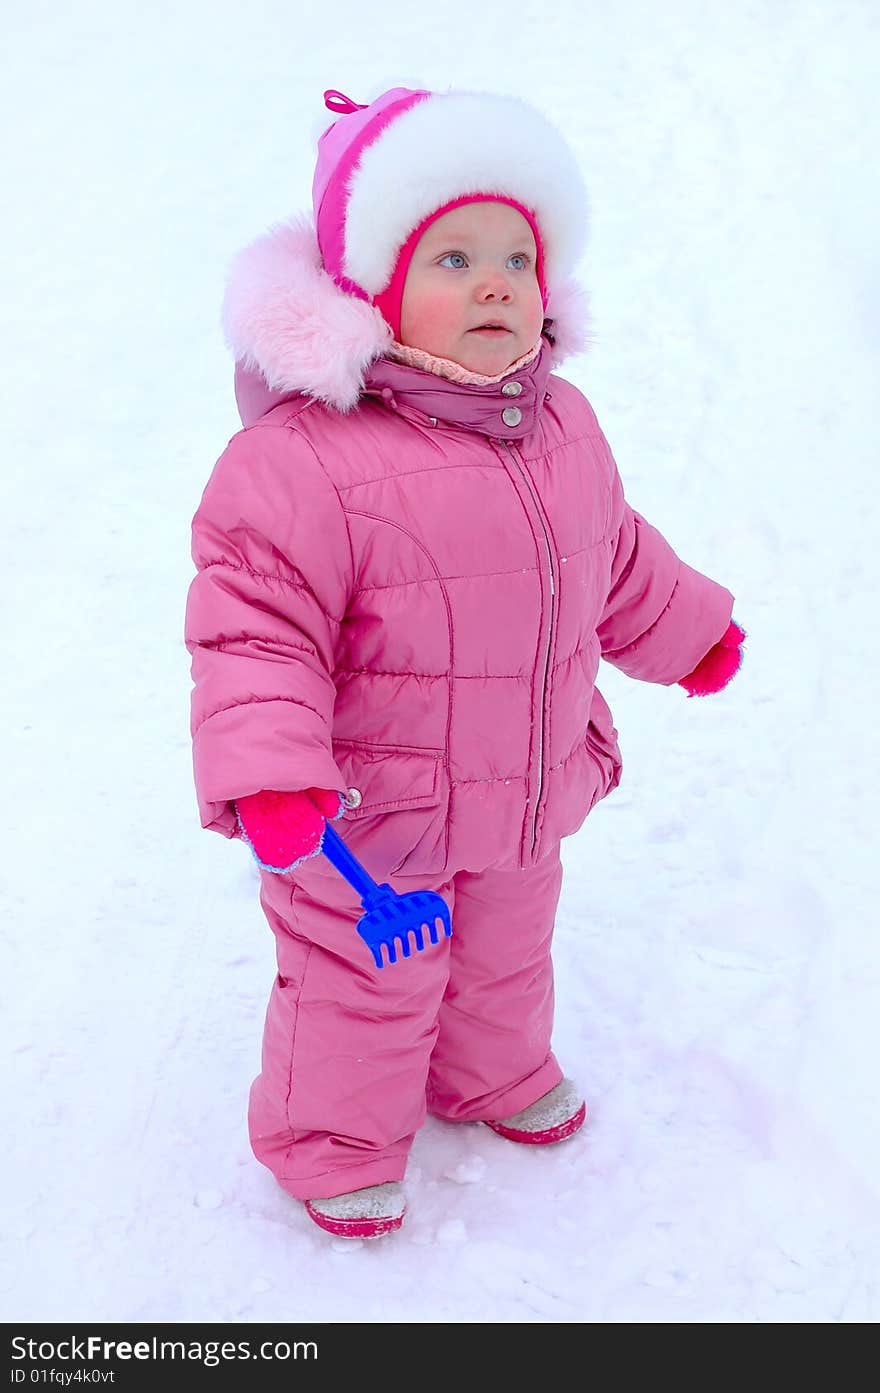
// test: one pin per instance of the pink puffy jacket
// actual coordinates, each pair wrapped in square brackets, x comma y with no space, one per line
[407,602]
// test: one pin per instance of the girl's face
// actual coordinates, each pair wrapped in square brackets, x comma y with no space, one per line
[475,264]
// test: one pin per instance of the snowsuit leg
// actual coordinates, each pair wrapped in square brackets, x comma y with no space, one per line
[492,1056]
[353,1057]
[346,1047]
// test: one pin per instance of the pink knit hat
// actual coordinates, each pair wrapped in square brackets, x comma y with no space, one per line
[386,170]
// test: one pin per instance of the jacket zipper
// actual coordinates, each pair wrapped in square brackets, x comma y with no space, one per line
[528,485]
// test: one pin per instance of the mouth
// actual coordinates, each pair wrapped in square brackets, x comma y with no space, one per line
[492,328]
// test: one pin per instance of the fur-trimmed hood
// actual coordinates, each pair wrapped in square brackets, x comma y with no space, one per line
[288,323]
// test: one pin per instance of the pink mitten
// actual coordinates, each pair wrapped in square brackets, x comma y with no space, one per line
[283,829]
[721,662]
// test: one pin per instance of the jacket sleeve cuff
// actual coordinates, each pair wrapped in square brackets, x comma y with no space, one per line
[695,618]
[231,761]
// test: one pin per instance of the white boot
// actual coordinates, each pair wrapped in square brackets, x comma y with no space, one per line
[367,1213]
[559,1114]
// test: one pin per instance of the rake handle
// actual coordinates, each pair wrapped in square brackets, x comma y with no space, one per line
[347,865]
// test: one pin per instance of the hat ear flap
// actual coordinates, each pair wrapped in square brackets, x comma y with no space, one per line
[567,320]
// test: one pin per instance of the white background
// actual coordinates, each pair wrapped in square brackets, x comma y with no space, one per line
[717,971]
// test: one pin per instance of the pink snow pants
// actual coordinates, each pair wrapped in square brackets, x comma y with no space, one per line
[354,1057]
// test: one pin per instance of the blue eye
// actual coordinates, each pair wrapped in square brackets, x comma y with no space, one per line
[515,256]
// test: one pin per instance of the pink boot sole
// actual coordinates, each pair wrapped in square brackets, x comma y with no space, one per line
[548,1135]
[355,1228]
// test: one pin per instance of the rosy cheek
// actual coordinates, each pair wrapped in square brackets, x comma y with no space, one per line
[443,308]
[433,317]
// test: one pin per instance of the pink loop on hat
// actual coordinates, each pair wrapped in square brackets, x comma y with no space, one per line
[389,301]
[343,104]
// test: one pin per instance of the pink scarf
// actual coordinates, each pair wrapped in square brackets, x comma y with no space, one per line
[448,368]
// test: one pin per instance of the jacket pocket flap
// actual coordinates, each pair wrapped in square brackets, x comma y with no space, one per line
[389,776]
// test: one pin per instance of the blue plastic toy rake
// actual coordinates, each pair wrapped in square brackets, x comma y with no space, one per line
[390,917]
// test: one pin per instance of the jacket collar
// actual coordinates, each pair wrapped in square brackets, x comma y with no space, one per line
[507,409]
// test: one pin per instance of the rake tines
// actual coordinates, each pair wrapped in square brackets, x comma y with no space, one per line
[393,919]
[390,918]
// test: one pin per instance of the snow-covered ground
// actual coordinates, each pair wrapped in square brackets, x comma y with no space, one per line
[717,971]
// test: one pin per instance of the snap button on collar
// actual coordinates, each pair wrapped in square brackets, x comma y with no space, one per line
[511,389]
[511,415]
[353,798]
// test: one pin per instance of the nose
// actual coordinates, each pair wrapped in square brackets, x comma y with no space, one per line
[495,286]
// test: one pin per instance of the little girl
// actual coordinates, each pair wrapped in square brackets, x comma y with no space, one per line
[409,563]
